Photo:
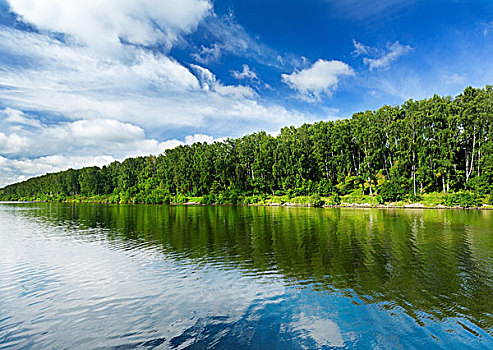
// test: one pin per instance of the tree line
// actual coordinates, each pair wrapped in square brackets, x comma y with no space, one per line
[440,144]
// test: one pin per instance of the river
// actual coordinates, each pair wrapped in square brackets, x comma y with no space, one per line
[87,276]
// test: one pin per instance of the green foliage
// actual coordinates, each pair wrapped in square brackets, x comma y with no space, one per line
[208,199]
[380,199]
[114,198]
[490,199]
[436,145]
[180,198]
[390,191]
[124,197]
[462,199]
[414,198]
[315,200]
[336,200]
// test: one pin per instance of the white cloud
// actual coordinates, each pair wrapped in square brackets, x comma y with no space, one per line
[31,152]
[361,49]
[91,95]
[13,143]
[81,137]
[207,55]
[152,91]
[246,73]
[102,24]
[381,59]
[15,116]
[209,82]
[104,130]
[322,77]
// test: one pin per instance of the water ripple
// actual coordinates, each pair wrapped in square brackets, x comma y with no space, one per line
[120,277]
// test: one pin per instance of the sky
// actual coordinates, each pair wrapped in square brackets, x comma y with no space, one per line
[88,82]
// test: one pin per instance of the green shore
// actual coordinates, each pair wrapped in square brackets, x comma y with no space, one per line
[426,201]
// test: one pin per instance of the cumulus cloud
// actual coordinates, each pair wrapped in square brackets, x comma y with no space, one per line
[104,130]
[96,79]
[322,77]
[153,90]
[73,145]
[82,137]
[381,59]
[143,22]
[27,151]
[13,143]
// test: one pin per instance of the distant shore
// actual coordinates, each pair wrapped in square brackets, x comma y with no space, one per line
[430,201]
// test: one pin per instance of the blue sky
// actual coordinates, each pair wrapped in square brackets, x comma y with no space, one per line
[88,82]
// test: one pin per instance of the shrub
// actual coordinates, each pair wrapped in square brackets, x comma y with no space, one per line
[223,197]
[234,196]
[315,201]
[208,199]
[336,200]
[414,198]
[380,200]
[325,187]
[462,199]
[290,193]
[180,198]
[114,198]
[124,197]
[390,192]
[490,199]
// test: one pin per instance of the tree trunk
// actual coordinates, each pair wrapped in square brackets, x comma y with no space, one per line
[414,182]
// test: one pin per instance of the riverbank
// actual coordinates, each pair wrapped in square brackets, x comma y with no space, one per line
[426,201]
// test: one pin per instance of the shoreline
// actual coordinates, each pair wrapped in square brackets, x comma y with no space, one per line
[274,204]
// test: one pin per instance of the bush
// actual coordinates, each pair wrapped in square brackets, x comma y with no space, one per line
[315,201]
[223,197]
[380,200]
[414,198]
[234,196]
[253,199]
[325,187]
[180,198]
[336,200]
[390,192]
[124,197]
[289,193]
[490,199]
[158,196]
[208,199]
[114,198]
[463,200]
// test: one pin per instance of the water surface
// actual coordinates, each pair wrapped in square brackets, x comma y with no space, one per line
[108,276]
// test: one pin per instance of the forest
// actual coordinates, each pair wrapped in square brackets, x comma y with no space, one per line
[441,145]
